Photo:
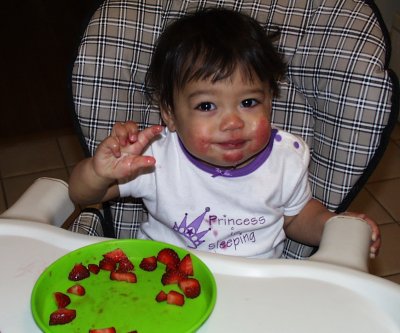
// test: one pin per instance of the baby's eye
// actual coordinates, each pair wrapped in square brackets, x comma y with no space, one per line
[205,106]
[248,103]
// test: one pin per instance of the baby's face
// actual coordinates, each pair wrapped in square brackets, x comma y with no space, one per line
[225,123]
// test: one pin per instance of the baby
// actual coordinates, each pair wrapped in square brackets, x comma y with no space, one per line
[219,177]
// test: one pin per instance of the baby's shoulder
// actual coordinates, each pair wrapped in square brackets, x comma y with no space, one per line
[288,142]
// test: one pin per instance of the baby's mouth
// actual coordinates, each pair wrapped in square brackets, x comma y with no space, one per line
[232,144]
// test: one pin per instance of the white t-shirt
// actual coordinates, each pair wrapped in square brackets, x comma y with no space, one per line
[236,212]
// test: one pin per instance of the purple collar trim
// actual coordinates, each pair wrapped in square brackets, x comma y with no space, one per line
[232,172]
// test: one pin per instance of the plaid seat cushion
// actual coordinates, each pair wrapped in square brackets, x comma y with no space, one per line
[89,222]
[337,93]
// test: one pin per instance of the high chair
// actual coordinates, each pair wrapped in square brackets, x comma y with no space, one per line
[338,95]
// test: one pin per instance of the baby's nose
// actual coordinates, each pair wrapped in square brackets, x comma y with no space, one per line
[231,121]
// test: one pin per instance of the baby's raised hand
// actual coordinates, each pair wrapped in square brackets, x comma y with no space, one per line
[120,157]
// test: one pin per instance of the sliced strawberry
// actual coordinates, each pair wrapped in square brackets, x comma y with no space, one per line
[190,287]
[78,272]
[172,277]
[186,265]
[116,255]
[62,316]
[76,289]
[123,276]
[61,299]
[125,265]
[107,264]
[169,258]
[173,297]
[161,296]
[93,268]
[103,330]
[148,264]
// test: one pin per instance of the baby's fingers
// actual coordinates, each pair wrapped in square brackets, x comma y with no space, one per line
[375,238]
[144,138]
[374,248]
[149,133]
[125,132]
[110,146]
[129,166]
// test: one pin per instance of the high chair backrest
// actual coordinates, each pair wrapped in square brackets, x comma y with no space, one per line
[338,93]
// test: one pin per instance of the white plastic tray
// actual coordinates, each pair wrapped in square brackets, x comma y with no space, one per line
[253,295]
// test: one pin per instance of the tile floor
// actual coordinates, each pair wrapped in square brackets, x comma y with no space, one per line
[53,154]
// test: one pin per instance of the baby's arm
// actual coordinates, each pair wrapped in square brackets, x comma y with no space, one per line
[118,158]
[308,225]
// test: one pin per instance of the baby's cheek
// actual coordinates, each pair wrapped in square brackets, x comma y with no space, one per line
[262,133]
[200,146]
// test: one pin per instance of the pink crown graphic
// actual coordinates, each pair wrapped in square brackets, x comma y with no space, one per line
[191,231]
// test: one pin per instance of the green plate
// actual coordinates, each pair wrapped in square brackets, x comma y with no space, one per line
[125,306]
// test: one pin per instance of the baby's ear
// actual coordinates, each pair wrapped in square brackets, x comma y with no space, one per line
[168,117]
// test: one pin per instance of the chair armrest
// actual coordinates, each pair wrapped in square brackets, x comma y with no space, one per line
[45,201]
[345,242]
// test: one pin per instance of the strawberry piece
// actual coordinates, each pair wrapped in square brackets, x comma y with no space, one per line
[62,316]
[125,265]
[161,296]
[190,287]
[186,265]
[169,258]
[103,330]
[78,272]
[175,298]
[123,276]
[61,299]
[148,264]
[93,268]
[76,289]
[107,264]
[116,255]
[172,277]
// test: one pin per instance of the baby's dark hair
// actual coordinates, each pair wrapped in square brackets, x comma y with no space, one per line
[211,44]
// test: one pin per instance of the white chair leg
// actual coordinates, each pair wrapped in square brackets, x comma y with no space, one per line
[45,201]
